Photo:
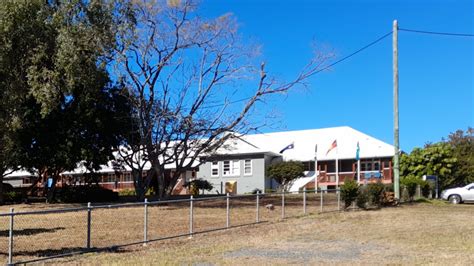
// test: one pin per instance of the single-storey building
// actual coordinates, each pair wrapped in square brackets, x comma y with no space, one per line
[109,176]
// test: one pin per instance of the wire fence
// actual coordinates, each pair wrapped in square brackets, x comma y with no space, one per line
[45,234]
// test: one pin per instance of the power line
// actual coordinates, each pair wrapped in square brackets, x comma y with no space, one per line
[354,53]
[320,70]
[438,33]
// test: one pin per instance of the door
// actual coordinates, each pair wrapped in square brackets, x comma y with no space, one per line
[470,193]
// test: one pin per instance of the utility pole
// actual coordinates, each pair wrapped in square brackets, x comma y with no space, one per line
[396,163]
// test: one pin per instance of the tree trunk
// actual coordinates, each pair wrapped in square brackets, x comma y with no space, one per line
[1,189]
[161,184]
[138,183]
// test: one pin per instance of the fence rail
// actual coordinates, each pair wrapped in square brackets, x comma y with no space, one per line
[31,236]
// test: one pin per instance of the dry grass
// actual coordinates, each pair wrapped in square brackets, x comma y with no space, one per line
[53,234]
[411,234]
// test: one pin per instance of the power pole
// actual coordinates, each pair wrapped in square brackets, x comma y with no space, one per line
[396,163]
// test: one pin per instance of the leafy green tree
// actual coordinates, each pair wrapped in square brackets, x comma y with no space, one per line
[22,30]
[53,63]
[285,172]
[434,159]
[462,143]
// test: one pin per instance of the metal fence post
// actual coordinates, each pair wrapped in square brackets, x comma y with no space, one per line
[283,205]
[338,199]
[304,200]
[258,207]
[145,223]
[89,220]
[321,201]
[191,214]
[228,211]
[10,238]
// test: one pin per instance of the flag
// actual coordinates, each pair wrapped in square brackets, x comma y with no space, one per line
[333,145]
[291,146]
[357,152]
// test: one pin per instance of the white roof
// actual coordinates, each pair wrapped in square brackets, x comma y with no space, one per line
[107,168]
[304,142]
[19,173]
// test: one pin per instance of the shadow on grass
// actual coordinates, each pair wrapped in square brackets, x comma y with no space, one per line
[30,231]
[45,254]
[436,202]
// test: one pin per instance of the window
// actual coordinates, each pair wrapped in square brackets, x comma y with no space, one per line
[370,165]
[231,168]
[248,167]
[111,178]
[215,168]
[226,168]
[127,177]
[376,166]
[235,167]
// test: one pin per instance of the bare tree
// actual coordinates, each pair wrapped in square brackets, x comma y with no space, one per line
[192,83]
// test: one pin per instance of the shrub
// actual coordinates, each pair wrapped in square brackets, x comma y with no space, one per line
[410,183]
[376,193]
[82,194]
[349,192]
[426,188]
[12,196]
[389,188]
[362,199]
[198,184]
[127,192]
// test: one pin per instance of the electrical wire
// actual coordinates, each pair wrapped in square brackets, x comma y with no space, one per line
[438,33]
[354,53]
[320,70]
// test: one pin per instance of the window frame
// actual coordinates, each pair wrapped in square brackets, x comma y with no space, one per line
[226,164]
[215,166]
[250,166]
[233,168]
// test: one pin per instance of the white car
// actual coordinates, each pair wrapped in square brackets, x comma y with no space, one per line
[459,194]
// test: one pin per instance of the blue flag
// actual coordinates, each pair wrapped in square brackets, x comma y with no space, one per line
[357,152]
[291,146]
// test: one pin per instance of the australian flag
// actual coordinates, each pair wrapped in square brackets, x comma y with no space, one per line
[291,146]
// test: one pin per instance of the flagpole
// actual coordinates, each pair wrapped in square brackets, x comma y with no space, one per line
[358,171]
[358,162]
[316,169]
[337,166]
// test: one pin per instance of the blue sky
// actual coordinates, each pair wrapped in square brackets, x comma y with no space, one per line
[436,72]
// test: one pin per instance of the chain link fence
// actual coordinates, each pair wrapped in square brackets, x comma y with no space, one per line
[44,234]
